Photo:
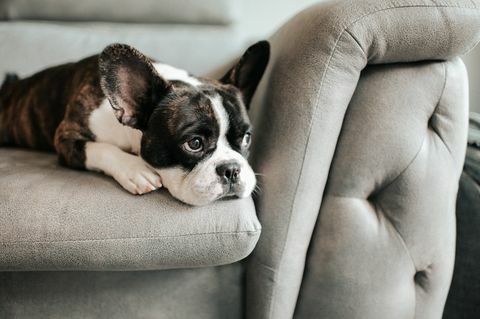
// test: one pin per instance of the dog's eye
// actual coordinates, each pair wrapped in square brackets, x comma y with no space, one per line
[194,145]
[247,138]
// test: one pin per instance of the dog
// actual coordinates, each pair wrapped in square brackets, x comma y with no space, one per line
[146,124]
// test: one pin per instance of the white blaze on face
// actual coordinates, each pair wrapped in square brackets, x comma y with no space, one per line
[222,118]
[202,185]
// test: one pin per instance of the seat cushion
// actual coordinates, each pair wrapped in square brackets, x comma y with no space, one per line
[143,11]
[54,218]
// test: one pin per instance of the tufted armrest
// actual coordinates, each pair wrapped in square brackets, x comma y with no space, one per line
[385,237]
[317,58]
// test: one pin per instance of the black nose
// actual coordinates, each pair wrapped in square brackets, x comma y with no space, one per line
[229,171]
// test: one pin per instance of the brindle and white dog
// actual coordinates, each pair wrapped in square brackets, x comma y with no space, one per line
[146,124]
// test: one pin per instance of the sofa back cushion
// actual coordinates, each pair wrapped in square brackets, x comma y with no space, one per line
[143,11]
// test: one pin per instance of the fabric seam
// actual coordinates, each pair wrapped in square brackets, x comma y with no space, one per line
[445,70]
[127,238]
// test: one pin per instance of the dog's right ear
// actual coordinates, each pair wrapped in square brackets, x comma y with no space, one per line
[248,72]
[131,84]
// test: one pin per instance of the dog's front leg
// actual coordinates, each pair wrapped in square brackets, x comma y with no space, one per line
[130,171]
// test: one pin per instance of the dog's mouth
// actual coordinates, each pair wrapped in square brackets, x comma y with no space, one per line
[230,189]
[229,193]
[233,190]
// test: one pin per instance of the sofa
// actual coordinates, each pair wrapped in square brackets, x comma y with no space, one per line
[360,136]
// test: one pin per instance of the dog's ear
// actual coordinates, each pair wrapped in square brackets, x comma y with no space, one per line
[247,73]
[131,84]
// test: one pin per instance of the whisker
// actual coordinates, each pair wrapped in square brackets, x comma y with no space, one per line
[257,190]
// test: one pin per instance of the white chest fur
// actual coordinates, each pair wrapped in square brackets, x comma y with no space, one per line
[107,129]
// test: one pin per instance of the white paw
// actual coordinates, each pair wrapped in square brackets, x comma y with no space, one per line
[130,171]
[136,176]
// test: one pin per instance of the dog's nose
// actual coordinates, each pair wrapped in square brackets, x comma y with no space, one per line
[229,171]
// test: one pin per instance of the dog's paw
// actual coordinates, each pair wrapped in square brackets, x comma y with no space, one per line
[137,177]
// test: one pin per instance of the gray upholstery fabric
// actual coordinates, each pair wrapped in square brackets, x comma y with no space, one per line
[142,11]
[316,61]
[54,218]
[387,221]
[28,47]
[202,293]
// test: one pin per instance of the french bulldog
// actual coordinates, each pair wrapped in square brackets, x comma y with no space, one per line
[144,123]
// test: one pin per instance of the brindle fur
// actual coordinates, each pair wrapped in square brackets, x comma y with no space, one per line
[49,110]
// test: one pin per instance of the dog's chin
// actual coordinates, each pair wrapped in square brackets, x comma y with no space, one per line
[201,196]
[198,192]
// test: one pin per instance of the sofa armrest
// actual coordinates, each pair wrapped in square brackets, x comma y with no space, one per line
[386,227]
[299,108]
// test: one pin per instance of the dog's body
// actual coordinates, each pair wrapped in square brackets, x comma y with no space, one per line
[143,123]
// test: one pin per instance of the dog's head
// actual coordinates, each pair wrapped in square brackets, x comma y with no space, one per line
[196,131]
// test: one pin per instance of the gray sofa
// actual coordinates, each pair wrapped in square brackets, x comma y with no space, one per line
[360,137]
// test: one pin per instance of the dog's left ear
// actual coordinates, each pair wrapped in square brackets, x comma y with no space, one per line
[248,72]
[131,84]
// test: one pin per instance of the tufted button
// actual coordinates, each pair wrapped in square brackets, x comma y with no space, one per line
[421,278]
[372,197]
[430,120]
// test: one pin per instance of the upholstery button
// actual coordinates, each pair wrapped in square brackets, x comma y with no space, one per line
[421,278]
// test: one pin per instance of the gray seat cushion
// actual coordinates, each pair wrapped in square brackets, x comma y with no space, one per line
[54,218]
[143,11]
